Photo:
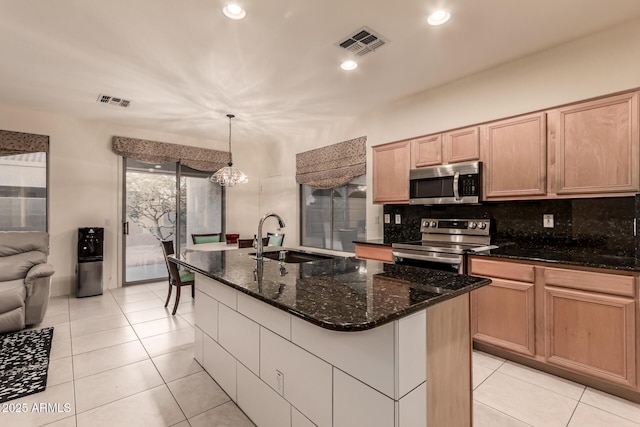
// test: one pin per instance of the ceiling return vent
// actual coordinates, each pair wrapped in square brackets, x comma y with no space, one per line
[112,100]
[362,42]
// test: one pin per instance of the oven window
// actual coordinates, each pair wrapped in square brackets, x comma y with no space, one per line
[451,268]
[432,187]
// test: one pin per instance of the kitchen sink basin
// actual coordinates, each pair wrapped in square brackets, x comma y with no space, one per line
[294,257]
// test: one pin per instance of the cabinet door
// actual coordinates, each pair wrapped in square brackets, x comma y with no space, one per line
[426,151]
[596,146]
[391,163]
[503,315]
[462,145]
[515,159]
[591,333]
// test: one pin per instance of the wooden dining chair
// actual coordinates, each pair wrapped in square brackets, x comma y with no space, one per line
[206,238]
[245,243]
[177,277]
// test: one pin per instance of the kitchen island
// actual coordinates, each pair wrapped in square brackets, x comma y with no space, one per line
[336,341]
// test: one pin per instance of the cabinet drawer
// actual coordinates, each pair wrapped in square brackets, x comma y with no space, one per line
[375,252]
[590,281]
[502,269]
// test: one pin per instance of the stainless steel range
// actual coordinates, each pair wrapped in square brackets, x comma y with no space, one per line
[445,243]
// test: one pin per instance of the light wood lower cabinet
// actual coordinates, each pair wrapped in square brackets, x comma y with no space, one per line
[579,320]
[591,333]
[374,252]
[503,315]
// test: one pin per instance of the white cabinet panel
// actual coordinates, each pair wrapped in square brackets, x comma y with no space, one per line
[306,378]
[412,352]
[223,293]
[240,336]
[413,408]
[299,420]
[198,345]
[367,355]
[220,365]
[270,317]
[264,406]
[356,404]
[206,314]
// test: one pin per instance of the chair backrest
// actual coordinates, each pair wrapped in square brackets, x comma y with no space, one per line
[206,238]
[172,267]
[245,243]
[274,239]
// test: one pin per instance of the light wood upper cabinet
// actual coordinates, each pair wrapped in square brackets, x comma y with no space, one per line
[426,151]
[462,145]
[457,146]
[595,146]
[515,157]
[391,164]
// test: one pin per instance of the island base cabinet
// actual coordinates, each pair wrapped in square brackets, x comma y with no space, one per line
[591,333]
[283,371]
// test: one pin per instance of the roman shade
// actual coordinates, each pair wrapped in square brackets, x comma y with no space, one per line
[142,150]
[20,143]
[333,165]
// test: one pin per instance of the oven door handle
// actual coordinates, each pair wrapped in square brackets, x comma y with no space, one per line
[430,256]
[456,190]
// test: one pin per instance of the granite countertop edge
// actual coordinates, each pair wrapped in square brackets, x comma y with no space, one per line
[343,327]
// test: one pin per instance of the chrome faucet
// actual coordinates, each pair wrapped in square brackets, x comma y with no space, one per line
[259,245]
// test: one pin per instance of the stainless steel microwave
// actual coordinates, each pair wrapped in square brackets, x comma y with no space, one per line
[456,183]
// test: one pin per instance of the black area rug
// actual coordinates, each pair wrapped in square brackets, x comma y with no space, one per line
[24,362]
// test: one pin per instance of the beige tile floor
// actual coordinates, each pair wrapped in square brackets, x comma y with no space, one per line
[121,359]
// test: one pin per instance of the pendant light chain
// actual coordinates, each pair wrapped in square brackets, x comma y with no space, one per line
[229,176]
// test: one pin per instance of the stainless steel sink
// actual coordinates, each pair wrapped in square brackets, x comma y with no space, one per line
[293,257]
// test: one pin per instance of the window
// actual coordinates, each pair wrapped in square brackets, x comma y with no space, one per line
[23,192]
[334,218]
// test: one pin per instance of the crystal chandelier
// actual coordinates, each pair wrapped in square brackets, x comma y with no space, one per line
[229,176]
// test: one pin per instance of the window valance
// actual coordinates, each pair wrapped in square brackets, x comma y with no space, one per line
[333,165]
[19,143]
[142,150]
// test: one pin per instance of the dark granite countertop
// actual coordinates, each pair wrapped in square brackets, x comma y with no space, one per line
[579,255]
[343,294]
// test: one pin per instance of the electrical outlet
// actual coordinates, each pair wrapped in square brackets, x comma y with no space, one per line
[547,220]
[387,218]
[398,219]
[280,382]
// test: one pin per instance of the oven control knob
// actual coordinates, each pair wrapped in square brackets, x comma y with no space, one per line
[472,225]
[433,223]
[483,225]
[425,223]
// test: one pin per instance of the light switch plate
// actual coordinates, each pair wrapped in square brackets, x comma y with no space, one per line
[387,218]
[547,221]
[398,219]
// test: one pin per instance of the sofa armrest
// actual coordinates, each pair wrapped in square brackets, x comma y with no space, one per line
[35,273]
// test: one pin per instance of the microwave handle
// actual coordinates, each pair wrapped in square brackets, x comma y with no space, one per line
[456,190]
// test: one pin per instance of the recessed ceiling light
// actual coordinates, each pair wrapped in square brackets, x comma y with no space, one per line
[349,65]
[439,17]
[233,11]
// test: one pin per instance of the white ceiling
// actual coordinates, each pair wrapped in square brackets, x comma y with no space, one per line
[184,65]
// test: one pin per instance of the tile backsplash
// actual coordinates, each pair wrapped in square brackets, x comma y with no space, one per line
[595,222]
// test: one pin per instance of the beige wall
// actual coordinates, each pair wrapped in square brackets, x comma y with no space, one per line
[603,63]
[85,185]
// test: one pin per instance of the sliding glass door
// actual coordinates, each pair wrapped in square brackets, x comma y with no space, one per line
[164,202]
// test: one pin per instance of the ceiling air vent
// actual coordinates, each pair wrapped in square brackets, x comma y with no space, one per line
[362,42]
[112,100]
